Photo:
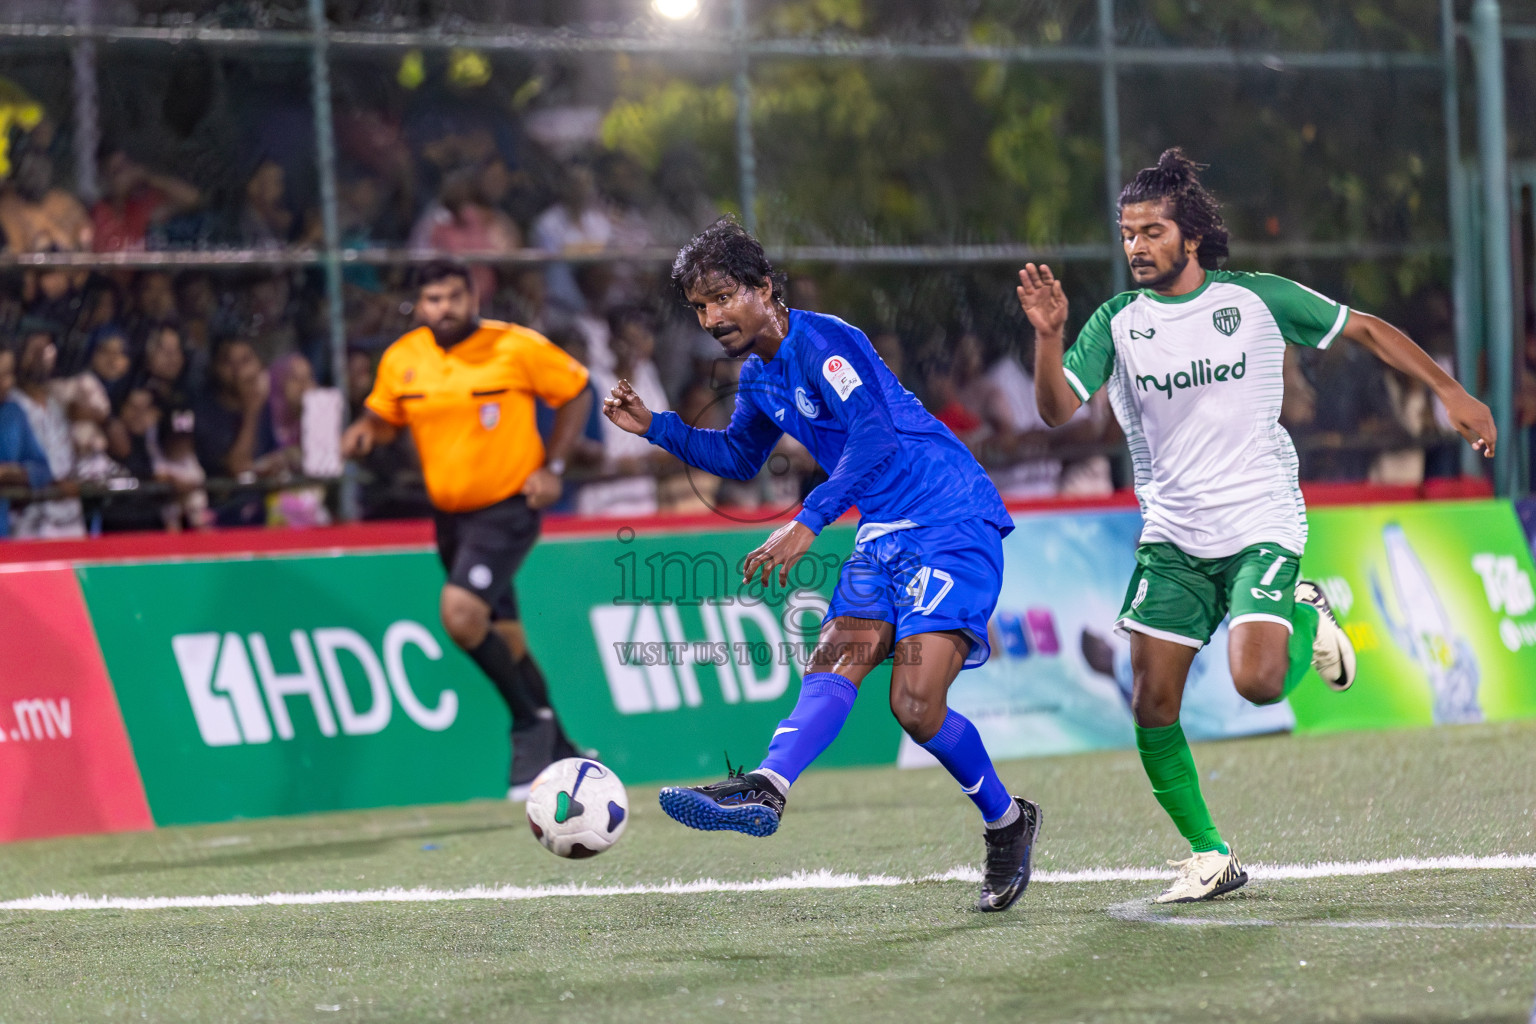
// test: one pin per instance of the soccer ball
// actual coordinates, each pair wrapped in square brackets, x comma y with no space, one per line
[577,808]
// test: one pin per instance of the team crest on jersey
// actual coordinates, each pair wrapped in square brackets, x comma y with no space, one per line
[1227,319]
[807,406]
[490,414]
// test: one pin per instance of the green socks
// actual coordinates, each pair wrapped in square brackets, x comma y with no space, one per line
[1171,768]
[1304,619]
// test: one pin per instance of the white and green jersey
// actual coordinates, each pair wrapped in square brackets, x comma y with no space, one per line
[1196,382]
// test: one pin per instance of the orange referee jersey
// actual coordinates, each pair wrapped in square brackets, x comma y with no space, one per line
[471,409]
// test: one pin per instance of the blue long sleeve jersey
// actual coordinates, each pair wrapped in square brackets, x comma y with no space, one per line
[19,445]
[882,451]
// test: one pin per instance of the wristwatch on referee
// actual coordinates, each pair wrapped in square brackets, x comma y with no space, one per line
[556,466]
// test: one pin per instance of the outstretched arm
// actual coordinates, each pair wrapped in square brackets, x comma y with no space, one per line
[737,452]
[1471,418]
[1045,304]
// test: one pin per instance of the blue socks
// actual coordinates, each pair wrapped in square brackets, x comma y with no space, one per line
[958,747]
[825,700]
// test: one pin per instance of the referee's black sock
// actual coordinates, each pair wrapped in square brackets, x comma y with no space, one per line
[538,689]
[495,659]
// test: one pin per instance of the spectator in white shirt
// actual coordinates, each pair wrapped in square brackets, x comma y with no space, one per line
[629,460]
[1015,443]
[578,224]
[49,420]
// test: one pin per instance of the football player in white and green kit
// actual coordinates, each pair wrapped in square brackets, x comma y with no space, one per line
[1193,359]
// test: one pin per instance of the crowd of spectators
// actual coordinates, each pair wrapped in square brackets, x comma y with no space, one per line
[175,399]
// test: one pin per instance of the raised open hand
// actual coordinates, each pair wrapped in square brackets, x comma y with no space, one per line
[1042,299]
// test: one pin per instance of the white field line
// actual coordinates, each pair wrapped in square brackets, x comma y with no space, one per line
[799,880]
[1144,912]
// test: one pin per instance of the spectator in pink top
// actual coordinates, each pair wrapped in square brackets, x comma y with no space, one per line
[291,376]
[134,200]
[461,223]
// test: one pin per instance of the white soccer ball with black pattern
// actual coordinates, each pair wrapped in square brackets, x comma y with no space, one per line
[577,807]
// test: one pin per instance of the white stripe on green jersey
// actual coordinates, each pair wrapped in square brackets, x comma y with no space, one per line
[1196,382]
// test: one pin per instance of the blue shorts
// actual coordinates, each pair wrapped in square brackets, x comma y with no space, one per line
[926,579]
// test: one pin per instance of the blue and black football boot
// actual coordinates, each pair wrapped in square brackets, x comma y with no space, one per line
[742,802]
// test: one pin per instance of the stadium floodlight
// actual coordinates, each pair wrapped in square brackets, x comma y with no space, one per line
[676,10]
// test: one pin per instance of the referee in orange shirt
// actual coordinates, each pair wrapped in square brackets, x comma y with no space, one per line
[466,387]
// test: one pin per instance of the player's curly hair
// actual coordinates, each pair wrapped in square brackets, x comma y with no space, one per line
[1176,178]
[728,247]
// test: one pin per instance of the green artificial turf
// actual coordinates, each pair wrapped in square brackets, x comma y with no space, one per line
[1422,946]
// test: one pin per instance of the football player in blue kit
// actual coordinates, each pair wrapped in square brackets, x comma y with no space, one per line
[927,561]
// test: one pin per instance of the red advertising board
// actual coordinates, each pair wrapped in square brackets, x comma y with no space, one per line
[65,764]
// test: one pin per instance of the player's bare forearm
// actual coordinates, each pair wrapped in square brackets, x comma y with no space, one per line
[1471,418]
[1396,349]
[1045,303]
[1054,396]
[570,419]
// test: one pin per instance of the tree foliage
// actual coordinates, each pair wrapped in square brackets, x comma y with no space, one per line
[921,151]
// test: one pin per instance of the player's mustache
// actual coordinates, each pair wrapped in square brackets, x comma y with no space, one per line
[723,330]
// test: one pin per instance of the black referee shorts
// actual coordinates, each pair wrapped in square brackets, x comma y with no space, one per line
[483,549]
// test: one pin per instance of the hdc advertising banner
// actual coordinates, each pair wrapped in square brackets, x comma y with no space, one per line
[667,663]
[282,685]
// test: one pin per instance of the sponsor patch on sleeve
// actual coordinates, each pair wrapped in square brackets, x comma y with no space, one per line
[842,376]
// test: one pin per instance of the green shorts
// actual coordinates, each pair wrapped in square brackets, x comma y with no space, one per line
[1178,597]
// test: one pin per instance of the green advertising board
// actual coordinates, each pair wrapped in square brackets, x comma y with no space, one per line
[291,684]
[281,685]
[1438,601]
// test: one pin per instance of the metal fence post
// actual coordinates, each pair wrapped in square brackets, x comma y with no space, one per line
[325,151]
[1493,156]
[87,128]
[746,157]
[1463,246]
[1109,86]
